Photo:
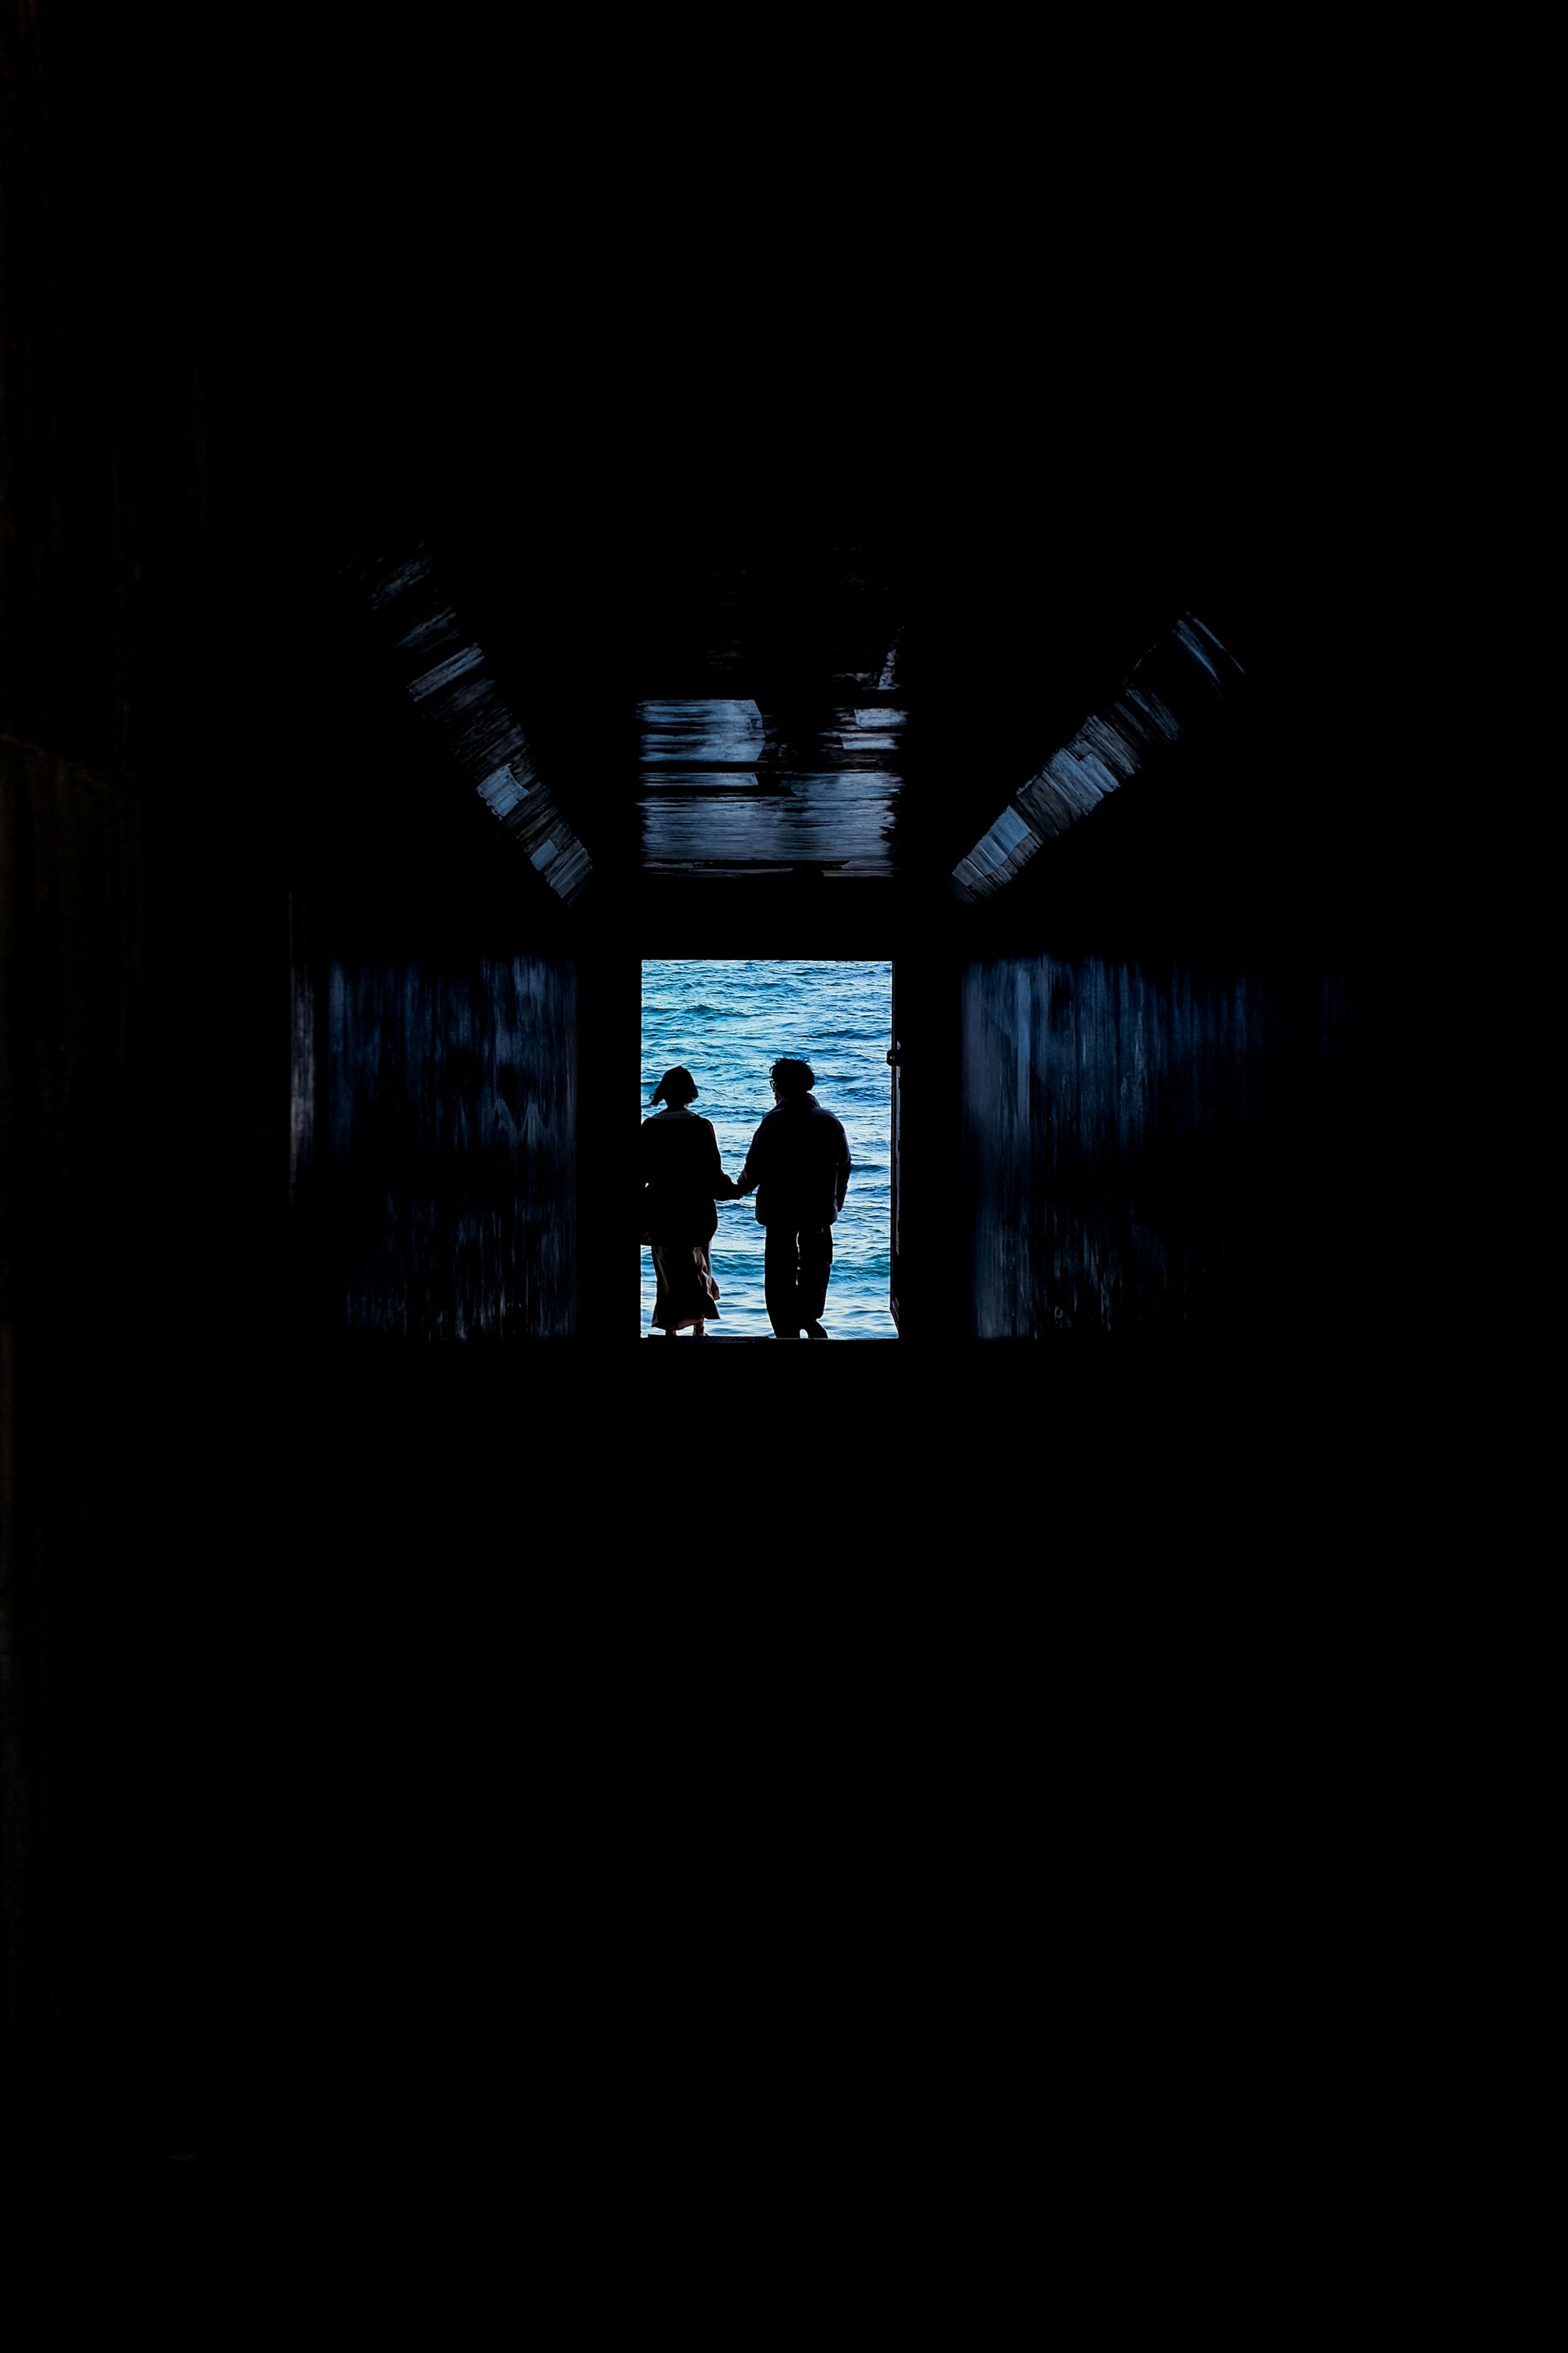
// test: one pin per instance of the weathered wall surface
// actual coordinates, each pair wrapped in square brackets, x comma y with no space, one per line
[441,1173]
[1149,1152]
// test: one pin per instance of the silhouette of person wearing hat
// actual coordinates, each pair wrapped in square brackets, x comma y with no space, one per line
[798,1165]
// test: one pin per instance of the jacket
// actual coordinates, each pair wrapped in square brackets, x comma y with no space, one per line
[683,1177]
[799,1165]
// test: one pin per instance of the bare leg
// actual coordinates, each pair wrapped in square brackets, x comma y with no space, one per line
[699,1330]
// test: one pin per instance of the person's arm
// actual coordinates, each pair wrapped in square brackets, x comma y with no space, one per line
[750,1175]
[841,1181]
[723,1189]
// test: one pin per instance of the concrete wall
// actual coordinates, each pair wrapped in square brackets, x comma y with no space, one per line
[1153,1151]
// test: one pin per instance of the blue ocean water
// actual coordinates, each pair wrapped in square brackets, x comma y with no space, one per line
[727,1021]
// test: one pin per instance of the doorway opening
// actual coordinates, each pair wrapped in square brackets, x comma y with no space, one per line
[728,1020]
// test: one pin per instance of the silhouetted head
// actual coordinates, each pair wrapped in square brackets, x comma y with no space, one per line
[677,1088]
[792,1078]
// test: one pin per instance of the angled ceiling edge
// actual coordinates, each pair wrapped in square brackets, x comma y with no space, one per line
[1171,689]
[443,674]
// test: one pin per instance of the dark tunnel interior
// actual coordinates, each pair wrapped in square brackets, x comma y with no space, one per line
[365,1683]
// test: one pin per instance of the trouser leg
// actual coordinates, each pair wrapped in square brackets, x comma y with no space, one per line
[780,1282]
[816,1261]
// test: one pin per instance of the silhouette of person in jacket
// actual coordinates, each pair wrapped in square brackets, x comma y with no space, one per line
[798,1165]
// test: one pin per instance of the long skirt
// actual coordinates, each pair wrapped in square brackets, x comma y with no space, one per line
[685,1289]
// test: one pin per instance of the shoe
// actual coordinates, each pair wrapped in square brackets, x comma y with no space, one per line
[816,1332]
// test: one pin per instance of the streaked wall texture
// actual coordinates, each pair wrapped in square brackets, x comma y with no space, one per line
[443,1164]
[1149,1150]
